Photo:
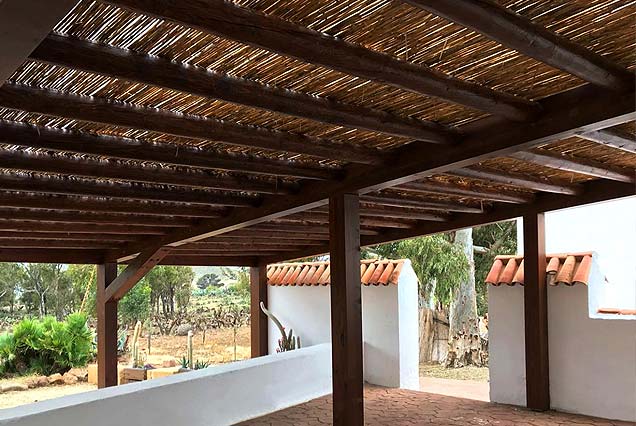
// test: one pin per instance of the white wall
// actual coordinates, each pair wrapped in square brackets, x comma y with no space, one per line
[389,326]
[218,396]
[592,361]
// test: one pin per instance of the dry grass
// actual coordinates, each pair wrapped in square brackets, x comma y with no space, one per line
[479,374]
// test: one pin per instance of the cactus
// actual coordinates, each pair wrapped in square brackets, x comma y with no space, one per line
[190,350]
[287,342]
[137,362]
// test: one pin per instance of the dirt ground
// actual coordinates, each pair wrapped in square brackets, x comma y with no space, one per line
[477,374]
[13,399]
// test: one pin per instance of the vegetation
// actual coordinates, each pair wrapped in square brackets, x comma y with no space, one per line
[46,346]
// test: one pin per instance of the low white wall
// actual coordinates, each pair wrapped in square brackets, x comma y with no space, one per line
[592,361]
[219,396]
[389,326]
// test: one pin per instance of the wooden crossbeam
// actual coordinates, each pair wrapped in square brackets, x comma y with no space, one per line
[419,202]
[106,205]
[18,160]
[256,240]
[585,109]
[516,179]
[312,217]
[56,185]
[65,236]
[80,228]
[134,272]
[99,218]
[52,244]
[519,33]
[71,256]
[267,32]
[393,212]
[611,138]
[155,71]
[209,260]
[450,189]
[116,113]
[38,137]
[577,165]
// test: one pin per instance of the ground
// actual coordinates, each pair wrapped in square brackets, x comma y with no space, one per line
[398,407]
[477,374]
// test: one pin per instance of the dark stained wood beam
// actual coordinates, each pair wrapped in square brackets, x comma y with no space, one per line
[393,212]
[209,260]
[232,253]
[313,217]
[398,200]
[107,373]
[106,205]
[155,71]
[50,244]
[346,310]
[577,165]
[516,179]
[25,23]
[80,228]
[134,272]
[116,113]
[38,137]
[70,256]
[583,109]
[19,160]
[253,241]
[613,138]
[241,245]
[259,335]
[521,34]
[287,230]
[270,33]
[251,233]
[465,191]
[56,185]
[103,218]
[535,308]
[10,235]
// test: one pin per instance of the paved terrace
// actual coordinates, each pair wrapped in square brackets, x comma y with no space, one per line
[398,407]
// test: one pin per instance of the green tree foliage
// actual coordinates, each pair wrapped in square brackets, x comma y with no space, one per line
[135,305]
[438,263]
[170,287]
[10,278]
[208,280]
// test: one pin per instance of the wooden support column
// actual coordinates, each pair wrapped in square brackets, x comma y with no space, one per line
[258,294]
[106,327]
[536,313]
[346,310]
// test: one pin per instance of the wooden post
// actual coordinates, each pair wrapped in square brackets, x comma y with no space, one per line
[536,313]
[346,310]
[106,328]
[258,290]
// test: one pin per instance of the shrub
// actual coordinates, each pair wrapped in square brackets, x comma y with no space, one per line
[46,346]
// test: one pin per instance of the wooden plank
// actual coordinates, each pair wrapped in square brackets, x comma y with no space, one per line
[259,323]
[80,228]
[57,185]
[516,179]
[17,160]
[55,244]
[209,260]
[23,25]
[116,113]
[267,32]
[65,236]
[346,310]
[465,191]
[134,272]
[155,71]
[613,138]
[47,138]
[399,200]
[101,219]
[106,327]
[312,217]
[71,256]
[535,309]
[521,34]
[393,212]
[577,165]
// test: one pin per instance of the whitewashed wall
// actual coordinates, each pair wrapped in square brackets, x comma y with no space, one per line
[218,396]
[592,361]
[389,326]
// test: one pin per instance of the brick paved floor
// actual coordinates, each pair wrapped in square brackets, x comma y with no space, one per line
[397,407]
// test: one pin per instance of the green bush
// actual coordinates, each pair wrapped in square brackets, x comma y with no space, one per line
[46,346]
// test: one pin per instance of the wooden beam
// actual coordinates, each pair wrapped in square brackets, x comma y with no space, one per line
[107,373]
[101,219]
[57,185]
[270,33]
[392,212]
[346,310]
[71,256]
[209,260]
[55,244]
[80,228]
[240,245]
[134,272]
[155,71]
[237,240]
[451,189]
[259,323]
[613,138]
[577,165]
[535,309]
[313,217]
[582,109]
[66,236]
[117,113]
[251,233]
[516,179]
[399,200]
[521,34]
[23,25]
[18,160]
[38,137]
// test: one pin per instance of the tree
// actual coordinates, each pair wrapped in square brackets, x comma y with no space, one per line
[41,285]
[208,280]
[135,305]
[10,275]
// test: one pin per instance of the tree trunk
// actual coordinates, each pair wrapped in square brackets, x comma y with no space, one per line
[427,335]
[464,344]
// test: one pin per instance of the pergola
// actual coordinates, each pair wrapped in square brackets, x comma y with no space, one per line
[204,132]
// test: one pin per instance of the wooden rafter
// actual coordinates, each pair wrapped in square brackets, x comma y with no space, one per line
[450,189]
[266,32]
[81,228]
[519,33]
[122,114]
[385,199]
[135,271]
[154,71]
[516,179]
[99,218]
[612,138]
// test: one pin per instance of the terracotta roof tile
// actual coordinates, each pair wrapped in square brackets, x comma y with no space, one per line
[372,272]
[568,269]
[617,311]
